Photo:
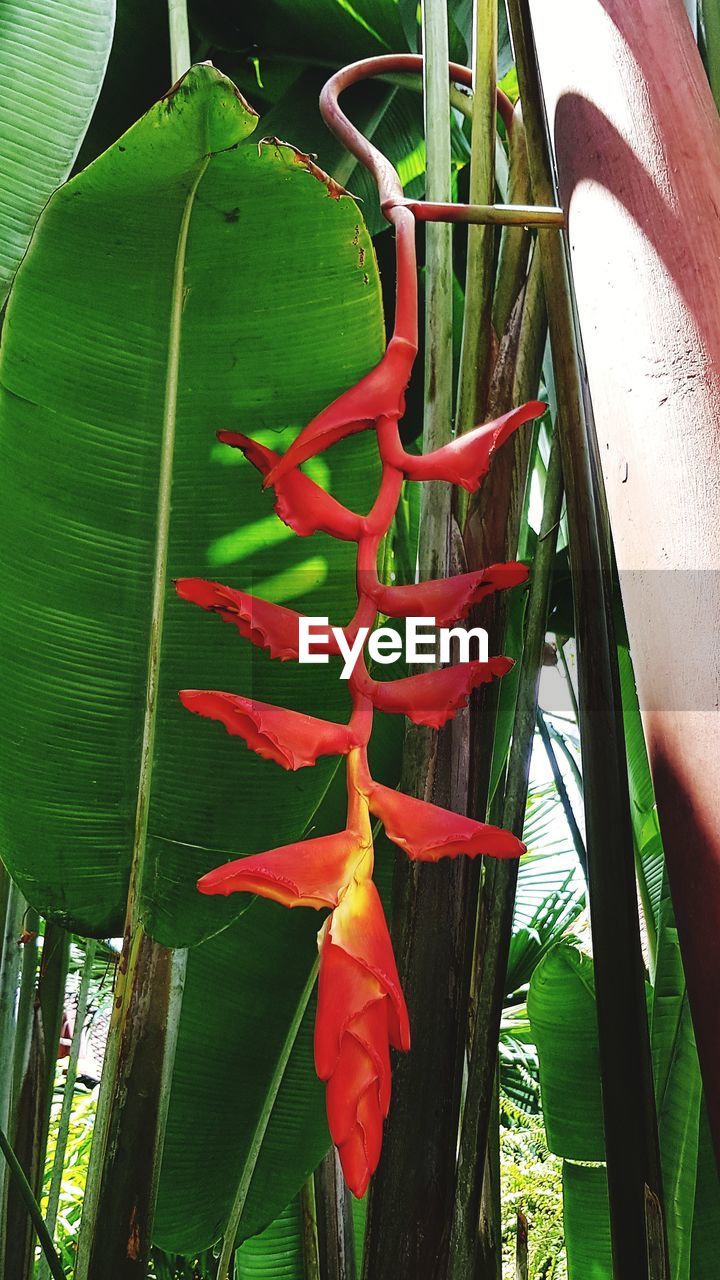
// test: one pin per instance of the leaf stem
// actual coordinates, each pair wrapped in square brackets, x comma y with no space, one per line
[53,1261]
[248,1169]
[68,1095]
[179,38]
[561,789]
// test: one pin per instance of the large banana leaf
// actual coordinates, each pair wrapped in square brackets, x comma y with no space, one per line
[277,1253]
[241,994]
[561,1008]
[53,55]
[187,280]
[677,1091]
[586,1218]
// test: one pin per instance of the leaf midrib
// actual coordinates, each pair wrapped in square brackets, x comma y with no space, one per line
[162,535]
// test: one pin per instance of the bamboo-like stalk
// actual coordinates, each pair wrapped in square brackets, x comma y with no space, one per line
[25,1004]
[63,1129]
[334,1221]
[499,899]
[121,1187]
[54,961]
[248,1169]
[521,1247]
[179,38]
[473,381]
[10,959]
[311,1250]
[575,833]
[407,1231]
[33,1208]
[631,1139]
[515,243]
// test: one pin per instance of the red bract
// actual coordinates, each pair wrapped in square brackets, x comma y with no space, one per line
[466,460]
[433,697]
[310,873]
[301,504]
[270,626]
[380,394]
[426,832]
[447,600]
[361,1009]
[290,738]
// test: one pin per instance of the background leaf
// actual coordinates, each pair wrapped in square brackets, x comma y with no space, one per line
[273,327]
[53,55]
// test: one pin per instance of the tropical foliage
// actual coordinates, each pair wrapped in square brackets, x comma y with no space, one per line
[234,339]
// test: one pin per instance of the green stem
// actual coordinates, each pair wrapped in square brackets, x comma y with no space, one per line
[568,680]
[68,1094]
[9,976]
[564,746]
[412,1190]
[578,842]
[474,358]
[53,1261]
[311,1252]
[179,38]
[515,243]
[248,1169]
[54,962]
[498,898]
[25,1005]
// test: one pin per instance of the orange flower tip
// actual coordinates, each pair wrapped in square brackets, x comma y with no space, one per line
[288,738]
[465,461]
[428,832]
[261,457]
[434,697]
[267,625]
[447,600]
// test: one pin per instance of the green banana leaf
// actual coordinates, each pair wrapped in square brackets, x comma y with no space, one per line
[241,994]
[706,1222]
[562,1015]
[187,280]
[53,55]
[586,1219]
[561,1008]
[649,857]
[277,1253]
[678,1092]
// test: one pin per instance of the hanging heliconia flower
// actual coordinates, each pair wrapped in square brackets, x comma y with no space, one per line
[361,1009]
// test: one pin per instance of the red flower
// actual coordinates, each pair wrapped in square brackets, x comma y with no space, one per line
[301,504]
[269,626]
[309,873]
[361,1010]
[433,697]
[467,458]
[290,738]
[427,832]
[447,600]
[380,394]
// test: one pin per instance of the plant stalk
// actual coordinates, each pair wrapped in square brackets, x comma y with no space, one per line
[334,1221]
[473,382]
[498,899]
[56,1269]
[633,1160]
[68,1096]
[575,834]
[179,38]
[231,1230]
